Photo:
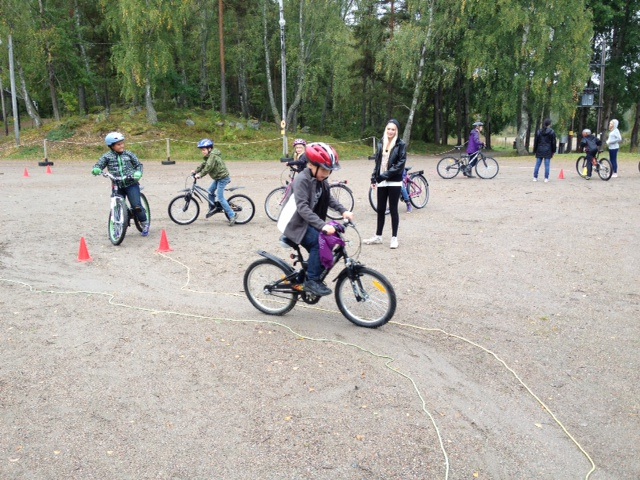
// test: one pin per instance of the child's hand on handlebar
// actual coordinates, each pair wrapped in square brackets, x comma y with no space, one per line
[348,216]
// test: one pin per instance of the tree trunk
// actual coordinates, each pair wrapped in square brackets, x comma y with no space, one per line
[31,110]
[152,115]
[85,61]
[636,128]
[327,100]
[223,70]
[267,62]
[50,69]
[302,71]
[4,113]
[523,126]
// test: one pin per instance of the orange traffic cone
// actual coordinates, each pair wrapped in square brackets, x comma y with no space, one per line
[26,173]
[561,176]
[49,172]
[83,254]
[164,244]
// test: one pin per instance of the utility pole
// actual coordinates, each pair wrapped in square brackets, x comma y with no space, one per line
[223,71]
[283,61]
[14,98]
[601,89]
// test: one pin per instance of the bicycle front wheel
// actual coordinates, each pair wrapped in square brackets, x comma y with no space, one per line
[274,203]
[342,194]
[368,300]
[448,167]
[581,165]
[267,288]
[184,209]
[243,207]
[118,221]
[373,198]
[604,169]
[487,168]
[147,210]
[418,191]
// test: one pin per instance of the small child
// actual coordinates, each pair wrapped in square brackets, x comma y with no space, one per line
[124,164]
[299,160]
[590,144]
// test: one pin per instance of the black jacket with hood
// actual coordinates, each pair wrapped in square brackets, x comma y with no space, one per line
[544,145]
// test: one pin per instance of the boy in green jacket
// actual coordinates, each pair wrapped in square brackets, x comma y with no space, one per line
[213,165]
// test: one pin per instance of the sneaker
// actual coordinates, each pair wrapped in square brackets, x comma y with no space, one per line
[232,220]
[587,178]
[145,229]
[615,175]
[409,207]
[535,179]
[468,173]
[546,180]
[316,288]
[394,242]
[375,240]
[211,211]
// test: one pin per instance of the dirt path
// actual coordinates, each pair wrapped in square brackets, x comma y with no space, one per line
[514,297]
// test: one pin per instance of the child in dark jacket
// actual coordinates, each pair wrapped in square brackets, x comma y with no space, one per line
[590,144]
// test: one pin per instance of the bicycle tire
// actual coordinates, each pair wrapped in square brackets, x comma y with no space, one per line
[487,168]
[581,164]
[257,278]
[243,207]
[274,202]
[368,301]
[604,171]
[418,190]
[184,209]
[448,167]
[118,221]
[342,194]
[147,210]
[373,199]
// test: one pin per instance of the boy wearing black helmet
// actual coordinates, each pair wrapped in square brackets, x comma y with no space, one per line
[312,200]
[124,164]
[213,165]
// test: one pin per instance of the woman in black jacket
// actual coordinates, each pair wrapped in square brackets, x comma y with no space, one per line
[387,179]
[544,147]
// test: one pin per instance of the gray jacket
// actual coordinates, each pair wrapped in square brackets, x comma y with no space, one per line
[306,190]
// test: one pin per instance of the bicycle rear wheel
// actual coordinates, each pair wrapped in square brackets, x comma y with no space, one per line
[487,168]
[418,190]
[373,198]
[147,210]
[604,169]
[581,164]
[267,289]
[184,209]
[274,203]
[243,207]
[342,194]
[448,167]
[368,300]
[118,221]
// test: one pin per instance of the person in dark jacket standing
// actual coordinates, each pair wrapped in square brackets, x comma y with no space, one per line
[387,179]
[544,147]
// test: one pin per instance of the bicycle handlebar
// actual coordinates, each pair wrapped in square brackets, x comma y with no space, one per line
[116,179]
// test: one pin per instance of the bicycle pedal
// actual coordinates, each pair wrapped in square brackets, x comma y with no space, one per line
[298,287]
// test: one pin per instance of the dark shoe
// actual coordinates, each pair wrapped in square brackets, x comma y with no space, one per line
[469,174]
[211,211]
[317,288]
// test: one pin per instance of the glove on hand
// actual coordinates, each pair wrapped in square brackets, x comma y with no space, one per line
[96,171]
[137,175]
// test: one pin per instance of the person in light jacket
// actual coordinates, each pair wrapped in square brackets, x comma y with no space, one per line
[613,143]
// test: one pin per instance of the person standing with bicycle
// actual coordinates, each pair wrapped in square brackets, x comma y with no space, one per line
[544,147]
[473,150]
[304,215]
[124,165]
[590,145]
[391,158]
[213,165]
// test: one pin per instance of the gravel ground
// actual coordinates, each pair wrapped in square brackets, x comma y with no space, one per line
[513,353]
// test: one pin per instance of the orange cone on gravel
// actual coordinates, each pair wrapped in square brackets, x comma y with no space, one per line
[83,254]
[164,244]
[26,173]
[561,176]
[49,172]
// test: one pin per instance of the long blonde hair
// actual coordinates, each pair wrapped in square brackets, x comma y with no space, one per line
[386,145]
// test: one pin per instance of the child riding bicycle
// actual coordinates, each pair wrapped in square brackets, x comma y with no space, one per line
[304,214]
[125,165]
[590,144]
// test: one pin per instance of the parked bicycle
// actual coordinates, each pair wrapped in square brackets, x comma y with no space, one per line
[449,167]
[363,295]
[185,208]
[121,212]
[417,187]
[275,199]
[602,166]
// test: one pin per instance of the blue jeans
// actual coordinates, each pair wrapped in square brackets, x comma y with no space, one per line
[547,166]
[133,194]
[613,156]
[310,243]
[216,191]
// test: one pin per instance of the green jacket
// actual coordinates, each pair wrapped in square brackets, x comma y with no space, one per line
[214,166]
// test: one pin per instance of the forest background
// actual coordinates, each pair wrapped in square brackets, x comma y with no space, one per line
[437,66]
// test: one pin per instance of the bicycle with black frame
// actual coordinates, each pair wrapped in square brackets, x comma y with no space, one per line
[121,213]
[449,167]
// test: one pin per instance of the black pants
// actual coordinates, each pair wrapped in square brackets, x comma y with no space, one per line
[392,195]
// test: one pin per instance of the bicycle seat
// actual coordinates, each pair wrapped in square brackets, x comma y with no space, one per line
[285,242]
[458,147]
[407,168]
